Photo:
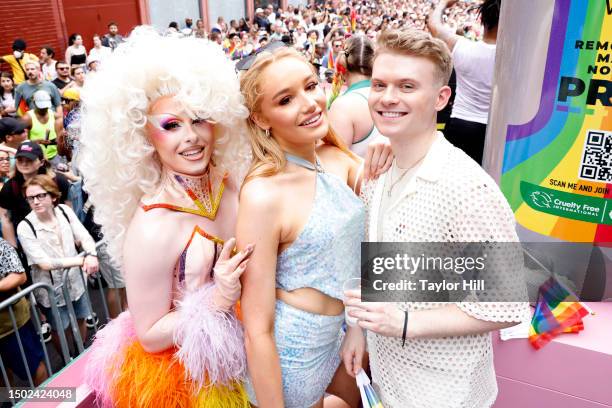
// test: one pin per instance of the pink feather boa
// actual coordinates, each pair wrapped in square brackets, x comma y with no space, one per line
[210,341]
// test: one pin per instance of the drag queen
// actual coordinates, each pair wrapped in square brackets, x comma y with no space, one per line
[164,151]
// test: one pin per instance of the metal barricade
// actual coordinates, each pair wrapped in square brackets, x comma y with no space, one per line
[62,288]
[28,293]
[71,313]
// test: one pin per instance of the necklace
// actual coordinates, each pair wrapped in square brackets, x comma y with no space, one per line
[193,195]
[394,183]
[201,192]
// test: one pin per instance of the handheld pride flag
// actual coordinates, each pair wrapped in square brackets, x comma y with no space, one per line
[331,64]
[23,108]
[337,83]
[557,311]
[353,20]
[369,399]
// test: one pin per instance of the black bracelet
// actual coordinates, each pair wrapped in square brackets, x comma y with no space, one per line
[405,327]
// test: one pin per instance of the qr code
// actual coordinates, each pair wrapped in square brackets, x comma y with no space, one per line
[596,164]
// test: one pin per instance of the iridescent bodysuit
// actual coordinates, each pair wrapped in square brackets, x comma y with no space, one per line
[207,365]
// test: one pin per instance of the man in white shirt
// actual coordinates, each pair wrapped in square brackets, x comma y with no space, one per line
[98,52]
[270,14]
[428,354]
[474,62]
[48,63]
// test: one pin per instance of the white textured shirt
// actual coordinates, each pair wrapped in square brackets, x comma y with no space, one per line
[449,199]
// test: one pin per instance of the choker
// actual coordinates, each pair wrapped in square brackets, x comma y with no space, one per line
[193,195]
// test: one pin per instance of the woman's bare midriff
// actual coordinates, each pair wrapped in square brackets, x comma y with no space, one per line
[311,300]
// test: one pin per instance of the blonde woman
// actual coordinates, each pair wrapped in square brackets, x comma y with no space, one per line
[298,205]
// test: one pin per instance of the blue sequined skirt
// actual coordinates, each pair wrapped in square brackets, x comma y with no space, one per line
[308,346]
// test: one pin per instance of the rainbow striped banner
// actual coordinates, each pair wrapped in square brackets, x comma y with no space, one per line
[557,311]
[331,64]
[557,170]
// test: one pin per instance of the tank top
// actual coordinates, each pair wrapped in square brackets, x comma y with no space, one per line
[39,132]
[8,101]
[78,59]
[360,148]
[328,250]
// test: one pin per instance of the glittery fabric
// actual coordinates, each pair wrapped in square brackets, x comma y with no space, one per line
[325,254]
[328,250]
[308,346]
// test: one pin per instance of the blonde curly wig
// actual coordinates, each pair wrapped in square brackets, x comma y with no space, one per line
[118,162]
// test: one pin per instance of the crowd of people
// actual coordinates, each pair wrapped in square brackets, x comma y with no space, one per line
[162,152]
[312,29]
[47,224]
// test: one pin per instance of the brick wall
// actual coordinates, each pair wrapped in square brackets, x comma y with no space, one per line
[38,22]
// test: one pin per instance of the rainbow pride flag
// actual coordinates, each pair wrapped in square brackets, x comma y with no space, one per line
[23,108]
[337,83]
[353,20]
[331,64]
[557,311]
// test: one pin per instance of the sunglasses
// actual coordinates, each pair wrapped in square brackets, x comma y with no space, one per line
[4,159]
[62,68]
[38,197]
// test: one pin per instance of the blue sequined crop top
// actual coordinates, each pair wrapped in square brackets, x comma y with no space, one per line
[328,250]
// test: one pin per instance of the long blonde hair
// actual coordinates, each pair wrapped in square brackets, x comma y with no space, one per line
[268,156]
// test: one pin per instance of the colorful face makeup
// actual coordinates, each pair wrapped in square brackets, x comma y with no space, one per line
[184,145]
[171,124]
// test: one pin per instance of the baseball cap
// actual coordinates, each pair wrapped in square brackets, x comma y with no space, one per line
[10,126]
[91,59]
[42,99]
[259,10]
[29,150]
[72,94]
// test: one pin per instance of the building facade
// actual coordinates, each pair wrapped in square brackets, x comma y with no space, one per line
[50,22]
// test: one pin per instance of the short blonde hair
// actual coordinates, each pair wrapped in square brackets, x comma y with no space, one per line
[417,43]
